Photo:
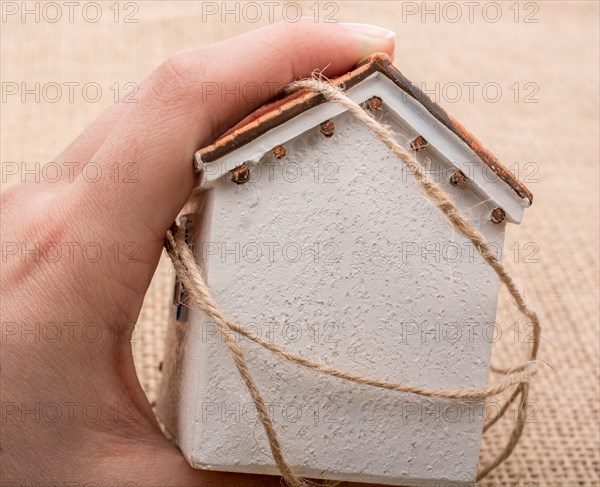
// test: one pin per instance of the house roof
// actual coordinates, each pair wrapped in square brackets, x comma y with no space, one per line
[281,110]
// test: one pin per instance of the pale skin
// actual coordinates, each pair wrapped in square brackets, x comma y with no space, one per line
[117,440]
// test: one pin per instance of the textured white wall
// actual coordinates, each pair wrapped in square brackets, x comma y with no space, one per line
[381,279]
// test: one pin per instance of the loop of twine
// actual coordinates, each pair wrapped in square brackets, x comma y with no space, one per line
[190,276]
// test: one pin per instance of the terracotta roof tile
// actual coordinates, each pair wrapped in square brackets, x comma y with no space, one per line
[282,110]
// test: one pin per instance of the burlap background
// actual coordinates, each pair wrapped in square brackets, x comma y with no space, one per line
[554,252]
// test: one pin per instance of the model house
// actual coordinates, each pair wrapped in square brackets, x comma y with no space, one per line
[313,235]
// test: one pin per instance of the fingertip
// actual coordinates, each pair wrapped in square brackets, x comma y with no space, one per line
[341,43]
[371,38]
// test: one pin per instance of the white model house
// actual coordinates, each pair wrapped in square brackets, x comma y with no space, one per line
[310,233]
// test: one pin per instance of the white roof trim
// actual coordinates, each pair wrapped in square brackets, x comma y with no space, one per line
[448,144]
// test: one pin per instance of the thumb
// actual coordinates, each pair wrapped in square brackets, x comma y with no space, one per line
[190,99]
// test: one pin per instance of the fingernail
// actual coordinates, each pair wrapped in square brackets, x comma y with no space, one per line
[370,30]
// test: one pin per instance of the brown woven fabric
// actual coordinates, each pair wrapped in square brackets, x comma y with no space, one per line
[554,252]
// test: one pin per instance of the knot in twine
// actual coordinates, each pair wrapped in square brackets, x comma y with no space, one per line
[191,277]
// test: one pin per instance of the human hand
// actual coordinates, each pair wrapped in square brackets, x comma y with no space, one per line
[73,409]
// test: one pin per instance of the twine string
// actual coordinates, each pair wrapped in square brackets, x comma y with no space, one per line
[191,277]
